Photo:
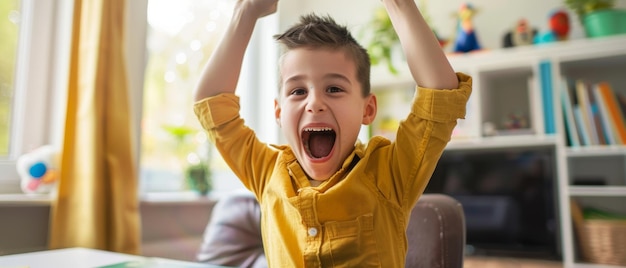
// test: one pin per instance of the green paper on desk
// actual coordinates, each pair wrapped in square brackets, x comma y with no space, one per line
[159,263]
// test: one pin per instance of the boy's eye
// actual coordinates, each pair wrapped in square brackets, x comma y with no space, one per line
[298,91]
[334,89]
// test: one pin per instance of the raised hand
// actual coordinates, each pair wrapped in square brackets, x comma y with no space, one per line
[261,8]
[221,73]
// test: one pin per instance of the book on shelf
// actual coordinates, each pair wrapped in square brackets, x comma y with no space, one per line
[534,99]
[604,117]
[621,99]
[596,115]
[592,113]
[618,124]
[568,114]
[569,86]
[545,69]
[585,106]
[580,123]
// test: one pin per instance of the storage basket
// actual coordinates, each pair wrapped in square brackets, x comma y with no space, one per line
[603,241]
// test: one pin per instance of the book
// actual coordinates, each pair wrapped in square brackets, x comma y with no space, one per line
[534,100]
[621,99]
[586,114]
[580,123]
[568,114]
[594,112]
[155,262]
[604,117]
[545,69]
[613,107]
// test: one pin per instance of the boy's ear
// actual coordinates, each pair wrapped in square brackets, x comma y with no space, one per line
[277,111]
[369,113]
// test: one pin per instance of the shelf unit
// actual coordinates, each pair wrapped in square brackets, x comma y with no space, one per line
[518,88]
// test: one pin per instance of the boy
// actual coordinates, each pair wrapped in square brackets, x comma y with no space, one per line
[326,199]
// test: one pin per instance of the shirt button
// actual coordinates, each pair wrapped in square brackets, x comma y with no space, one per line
[312,231]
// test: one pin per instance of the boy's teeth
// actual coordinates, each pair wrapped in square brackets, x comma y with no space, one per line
[318,129]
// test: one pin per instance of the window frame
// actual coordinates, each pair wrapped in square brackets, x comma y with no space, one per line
[43,34]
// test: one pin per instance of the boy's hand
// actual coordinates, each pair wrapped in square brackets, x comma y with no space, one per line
[261,8]
[221,73]
[427,62]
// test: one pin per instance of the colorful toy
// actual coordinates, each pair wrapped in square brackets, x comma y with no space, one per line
[466,39]
[522,34]
[559,27]
[38,170]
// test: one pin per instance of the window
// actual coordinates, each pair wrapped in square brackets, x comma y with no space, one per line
[168,42]
[34,49]
[181,36]
[9,29]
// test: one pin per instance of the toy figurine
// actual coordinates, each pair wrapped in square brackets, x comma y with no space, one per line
[466,39]
[559,25]
[38,170]
[522,34]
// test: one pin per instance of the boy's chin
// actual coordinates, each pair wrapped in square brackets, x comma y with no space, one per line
[319,171]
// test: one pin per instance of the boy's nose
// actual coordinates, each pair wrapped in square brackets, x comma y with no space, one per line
[315,104]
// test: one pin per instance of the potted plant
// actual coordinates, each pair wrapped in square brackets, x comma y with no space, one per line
[599,17]
[197,173]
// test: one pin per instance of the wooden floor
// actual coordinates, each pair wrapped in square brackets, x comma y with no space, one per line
[489,262]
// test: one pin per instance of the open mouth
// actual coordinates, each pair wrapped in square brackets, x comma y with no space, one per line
[318,141]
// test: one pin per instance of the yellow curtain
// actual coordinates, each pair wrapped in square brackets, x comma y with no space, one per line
[97,201]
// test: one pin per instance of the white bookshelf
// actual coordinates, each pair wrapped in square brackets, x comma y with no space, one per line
[509,81]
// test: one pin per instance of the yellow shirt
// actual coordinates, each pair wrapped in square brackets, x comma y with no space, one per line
[356,218]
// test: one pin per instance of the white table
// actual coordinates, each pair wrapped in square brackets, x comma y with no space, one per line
[86,258]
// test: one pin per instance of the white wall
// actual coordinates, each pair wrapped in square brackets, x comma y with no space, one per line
[495,17]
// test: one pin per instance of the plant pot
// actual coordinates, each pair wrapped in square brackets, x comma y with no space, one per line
[199,178]
[605,22]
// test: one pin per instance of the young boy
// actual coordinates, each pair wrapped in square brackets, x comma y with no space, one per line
[326,199]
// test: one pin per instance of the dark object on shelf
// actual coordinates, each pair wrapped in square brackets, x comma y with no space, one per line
[589,181]
[509,198]
[522,34]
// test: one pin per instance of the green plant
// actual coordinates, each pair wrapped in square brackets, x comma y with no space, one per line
[384,40]
[197,171]
[584,7]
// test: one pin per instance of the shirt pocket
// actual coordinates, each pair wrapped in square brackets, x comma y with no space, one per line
[353,243]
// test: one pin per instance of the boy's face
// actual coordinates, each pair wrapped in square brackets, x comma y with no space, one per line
[321,108]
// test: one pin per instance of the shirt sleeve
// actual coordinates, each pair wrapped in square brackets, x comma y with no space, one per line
[212,112]
[423,135]
[443,105]
[248,157]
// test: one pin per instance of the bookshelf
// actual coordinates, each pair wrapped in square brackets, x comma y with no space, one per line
[517,103]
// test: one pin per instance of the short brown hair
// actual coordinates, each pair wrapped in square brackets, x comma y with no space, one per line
[323,32]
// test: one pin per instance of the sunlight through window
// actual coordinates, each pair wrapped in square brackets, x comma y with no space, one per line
[181,37]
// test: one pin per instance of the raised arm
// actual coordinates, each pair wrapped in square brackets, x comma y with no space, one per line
[221,73]
[428,64]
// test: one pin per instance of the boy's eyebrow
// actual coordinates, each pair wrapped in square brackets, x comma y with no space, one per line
[297,78]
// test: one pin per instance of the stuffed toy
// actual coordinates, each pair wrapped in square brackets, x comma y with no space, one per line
[39,170]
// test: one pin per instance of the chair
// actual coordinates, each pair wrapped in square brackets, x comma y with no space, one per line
[436,233]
